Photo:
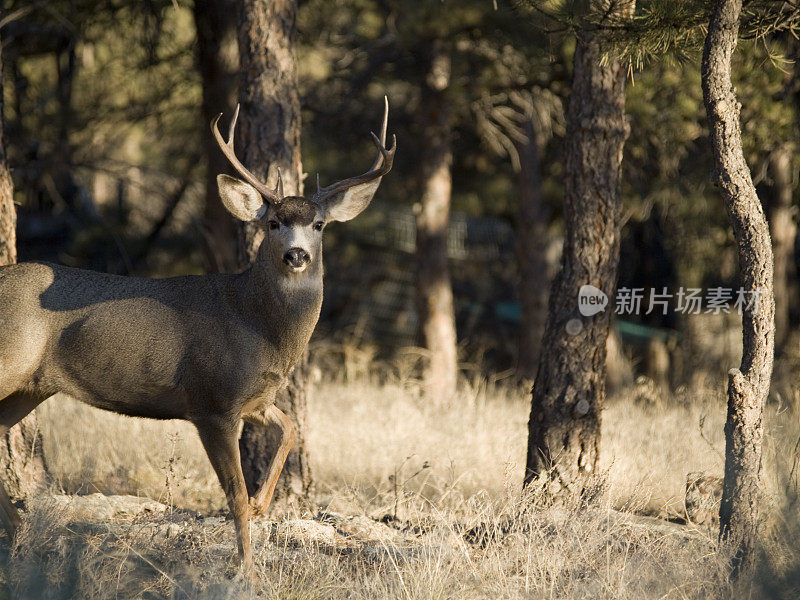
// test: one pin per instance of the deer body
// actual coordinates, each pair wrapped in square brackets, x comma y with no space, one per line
[175,348]
[210,349]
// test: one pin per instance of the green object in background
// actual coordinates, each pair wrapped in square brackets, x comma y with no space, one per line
[511,312]
[636,331]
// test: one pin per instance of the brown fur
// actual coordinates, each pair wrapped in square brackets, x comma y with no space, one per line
[296,210]
[207,349]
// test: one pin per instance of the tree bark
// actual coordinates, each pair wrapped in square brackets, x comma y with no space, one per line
[270,138]
[531,249]
[748,385]
[569,390]
[437,323]
[270,117]
[783,230]
[218,62]
[22,466]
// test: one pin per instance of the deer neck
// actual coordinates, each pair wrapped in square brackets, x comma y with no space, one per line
[284,307]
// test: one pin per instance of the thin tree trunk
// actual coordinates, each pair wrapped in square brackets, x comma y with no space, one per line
[434,292]
[748,385]
[22,466]
[531,247]
[270,136]
[218,62]
[569,390]
[784,231]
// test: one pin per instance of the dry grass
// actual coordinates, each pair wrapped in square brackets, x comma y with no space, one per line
[381,449]
[89,450]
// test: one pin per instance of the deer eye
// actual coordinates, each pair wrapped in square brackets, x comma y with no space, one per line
[318,225]
[273,224]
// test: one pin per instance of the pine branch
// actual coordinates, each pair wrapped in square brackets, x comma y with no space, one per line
[659,27]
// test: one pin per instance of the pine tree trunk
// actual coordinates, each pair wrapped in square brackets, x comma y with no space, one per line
[748,385]
[783,230]
[531,248]
[569,390]
[218,62]
[434,293]
[22,466]
[270,138]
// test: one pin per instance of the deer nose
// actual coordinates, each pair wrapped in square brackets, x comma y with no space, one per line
[297,257]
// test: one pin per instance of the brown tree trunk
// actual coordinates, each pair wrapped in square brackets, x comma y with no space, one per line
[531,248]
[783,230]
[218,62]
[434,293]
[270,136]
[22,466]
[569,390]
[270,118]
[749,384]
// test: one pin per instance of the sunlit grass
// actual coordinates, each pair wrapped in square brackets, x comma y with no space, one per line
[382,449]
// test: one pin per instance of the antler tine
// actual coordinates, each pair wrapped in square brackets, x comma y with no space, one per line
[384,125]
[232,127]
[227,149]
[279,185]
[379,168]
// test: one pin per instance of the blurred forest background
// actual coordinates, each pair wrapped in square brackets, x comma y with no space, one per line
[106,110]
[109,150]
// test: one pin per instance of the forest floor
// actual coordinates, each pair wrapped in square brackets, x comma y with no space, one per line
[413,500]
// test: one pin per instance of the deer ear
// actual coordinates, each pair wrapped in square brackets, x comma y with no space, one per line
[240,198]
[348,204]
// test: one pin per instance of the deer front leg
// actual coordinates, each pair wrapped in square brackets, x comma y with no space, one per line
[265,417]
[222,446]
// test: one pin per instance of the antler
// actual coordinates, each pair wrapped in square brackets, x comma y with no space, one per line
[379,168]
[272,196]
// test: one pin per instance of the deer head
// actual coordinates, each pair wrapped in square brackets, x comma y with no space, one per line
[295,223]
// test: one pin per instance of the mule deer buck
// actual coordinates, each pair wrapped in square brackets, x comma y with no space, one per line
[210,349]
